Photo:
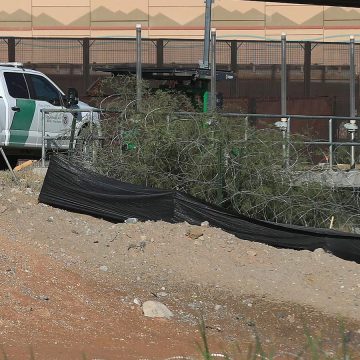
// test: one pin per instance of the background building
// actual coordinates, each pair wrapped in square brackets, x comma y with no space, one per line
[234,19]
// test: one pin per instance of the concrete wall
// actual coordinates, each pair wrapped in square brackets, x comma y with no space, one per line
[234,19]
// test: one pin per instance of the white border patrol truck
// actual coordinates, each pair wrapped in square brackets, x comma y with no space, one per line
[23,93]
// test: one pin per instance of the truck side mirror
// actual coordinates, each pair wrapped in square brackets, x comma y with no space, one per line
[72,97]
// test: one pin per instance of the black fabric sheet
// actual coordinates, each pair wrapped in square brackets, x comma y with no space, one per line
[72,187]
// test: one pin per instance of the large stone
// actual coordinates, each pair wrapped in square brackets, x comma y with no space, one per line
[156,309]
[195,232]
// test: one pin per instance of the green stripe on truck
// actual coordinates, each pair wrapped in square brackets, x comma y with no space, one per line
[20,126]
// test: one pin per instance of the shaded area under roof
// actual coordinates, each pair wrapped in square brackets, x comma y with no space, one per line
[339,3]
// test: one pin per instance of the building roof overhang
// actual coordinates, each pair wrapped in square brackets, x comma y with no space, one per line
[339,3]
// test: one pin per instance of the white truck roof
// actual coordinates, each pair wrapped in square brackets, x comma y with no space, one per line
[16,67]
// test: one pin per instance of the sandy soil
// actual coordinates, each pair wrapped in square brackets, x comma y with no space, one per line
[69,281]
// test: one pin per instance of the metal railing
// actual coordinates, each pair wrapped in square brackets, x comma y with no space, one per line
[71,136]
[284,125]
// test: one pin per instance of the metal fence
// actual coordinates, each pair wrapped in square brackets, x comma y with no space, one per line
[313,69]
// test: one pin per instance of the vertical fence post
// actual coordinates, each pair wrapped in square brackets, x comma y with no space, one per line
[159,53]
[283,75]
[331,147]
[11,49]
[43,153]
[352,96]
[138,67]
[205,62]
[233,65]
[307,69]
[213,71]
[234,55]
[286,133]
[86,63]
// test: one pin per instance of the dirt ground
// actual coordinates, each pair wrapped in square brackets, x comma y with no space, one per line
[72,288]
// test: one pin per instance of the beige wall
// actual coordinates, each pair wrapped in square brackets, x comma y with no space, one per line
[234,19]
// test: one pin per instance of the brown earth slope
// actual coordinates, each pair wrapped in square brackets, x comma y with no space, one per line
[69,281]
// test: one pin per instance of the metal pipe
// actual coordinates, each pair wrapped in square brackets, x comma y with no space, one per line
[284,147]
[283,75]
[336,143]
[91,138]
[213,71]
[331,146]
[352,96]
[352,164]
[205,63]
[138,67]
[274,116]
[246,128]
[352,77]
[43,138]
[288,142]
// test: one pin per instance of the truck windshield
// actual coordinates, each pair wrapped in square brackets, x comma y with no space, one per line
[42,89]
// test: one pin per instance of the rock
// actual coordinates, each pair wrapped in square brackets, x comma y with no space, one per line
[44,297]
[161,294]
[2,209]
[251,252]
[205,224]
[240,317]
[280,315]
[103,268]
[131,220]
[156,309]
[217,307]
[318,252]
[50,219]
[141,246]
[291,318]
[137,302]
[195,232]
[42,312]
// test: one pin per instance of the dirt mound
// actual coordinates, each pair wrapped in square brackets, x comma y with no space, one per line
[70,281]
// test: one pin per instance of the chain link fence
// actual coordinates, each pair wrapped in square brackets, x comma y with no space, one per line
[314,69]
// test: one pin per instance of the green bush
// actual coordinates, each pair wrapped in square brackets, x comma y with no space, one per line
[217,159]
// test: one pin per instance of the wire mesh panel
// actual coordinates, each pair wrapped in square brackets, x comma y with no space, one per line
[259,52]
[313,69]
[295,53]
[295,58]
[121,51]
[183,52]
[63,51]
[258,69]
[223,54]
[3,50]
[330,74]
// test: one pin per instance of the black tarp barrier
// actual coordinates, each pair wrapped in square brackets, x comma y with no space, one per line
[70,186]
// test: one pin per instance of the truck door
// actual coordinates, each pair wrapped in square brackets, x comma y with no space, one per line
[21,128]
[48,96]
